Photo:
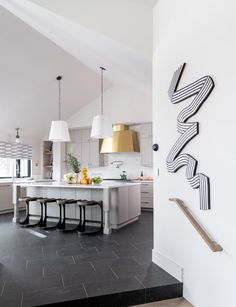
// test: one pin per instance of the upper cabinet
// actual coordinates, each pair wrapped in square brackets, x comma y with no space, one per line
[146,145]
[85,149]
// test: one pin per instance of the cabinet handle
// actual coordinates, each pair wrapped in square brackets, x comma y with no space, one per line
[144,202]
[145,192]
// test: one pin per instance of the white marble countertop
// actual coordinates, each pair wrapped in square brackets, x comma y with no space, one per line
[104,185]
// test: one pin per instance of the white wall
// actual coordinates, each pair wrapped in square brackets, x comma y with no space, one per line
[202,34]
[121,104]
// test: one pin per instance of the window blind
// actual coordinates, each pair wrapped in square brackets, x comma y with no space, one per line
[15,151]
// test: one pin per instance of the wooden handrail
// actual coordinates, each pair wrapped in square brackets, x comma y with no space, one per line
[212,244]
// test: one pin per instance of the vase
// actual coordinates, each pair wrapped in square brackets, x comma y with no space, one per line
[77,178]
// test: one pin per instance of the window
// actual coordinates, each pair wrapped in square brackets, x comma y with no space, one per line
[22,169]
[6,168]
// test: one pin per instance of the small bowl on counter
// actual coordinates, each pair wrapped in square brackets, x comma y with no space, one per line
[97,180]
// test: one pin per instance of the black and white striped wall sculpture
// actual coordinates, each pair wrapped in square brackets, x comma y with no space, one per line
[201,89]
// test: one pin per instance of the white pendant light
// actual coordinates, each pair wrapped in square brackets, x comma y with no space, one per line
[102,126]
[59,129]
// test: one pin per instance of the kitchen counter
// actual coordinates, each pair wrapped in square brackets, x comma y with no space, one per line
[121,200]
[109,184]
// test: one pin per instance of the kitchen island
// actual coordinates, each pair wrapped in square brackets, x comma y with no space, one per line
[121,200]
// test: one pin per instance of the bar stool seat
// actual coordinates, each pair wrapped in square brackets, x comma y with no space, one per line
[83,204]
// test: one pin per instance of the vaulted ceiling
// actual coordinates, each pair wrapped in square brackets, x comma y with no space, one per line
[38,43]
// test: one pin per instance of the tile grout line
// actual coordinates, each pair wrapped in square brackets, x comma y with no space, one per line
[136,277]
[133,257]
[63,284]
[133,246]
[113,272]
[117,257]
[92,265]
[3,287]
[97,249]
[83,285]
[22,296]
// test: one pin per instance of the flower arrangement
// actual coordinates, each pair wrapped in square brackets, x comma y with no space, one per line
[70,177]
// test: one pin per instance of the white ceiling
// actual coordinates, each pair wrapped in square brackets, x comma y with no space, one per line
[41,43]
[29,64]
[126,21]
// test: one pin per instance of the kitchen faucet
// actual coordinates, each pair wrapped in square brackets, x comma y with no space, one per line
[117,163]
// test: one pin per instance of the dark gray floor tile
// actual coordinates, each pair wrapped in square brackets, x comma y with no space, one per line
[57,269]
[121,262]
[30,284]
[95,256]
[159,278]
[143,258]
[125,271]
[51,261]
[84,275]
[76,250]
[11,300]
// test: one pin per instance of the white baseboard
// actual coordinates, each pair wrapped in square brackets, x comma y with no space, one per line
[168,265]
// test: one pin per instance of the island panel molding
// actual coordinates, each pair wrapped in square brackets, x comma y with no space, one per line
[201,89]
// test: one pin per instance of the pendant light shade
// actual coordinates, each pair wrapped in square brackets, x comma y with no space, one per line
[102,126]
[59,129]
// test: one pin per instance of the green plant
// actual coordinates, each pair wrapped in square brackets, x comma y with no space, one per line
[74,163]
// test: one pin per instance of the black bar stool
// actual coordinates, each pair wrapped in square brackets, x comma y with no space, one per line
[27,201]
[62,204]
[83,204]
[44,202]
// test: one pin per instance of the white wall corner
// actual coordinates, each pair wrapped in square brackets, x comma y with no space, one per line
[168,265]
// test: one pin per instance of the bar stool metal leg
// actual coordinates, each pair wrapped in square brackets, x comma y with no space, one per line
[40,220]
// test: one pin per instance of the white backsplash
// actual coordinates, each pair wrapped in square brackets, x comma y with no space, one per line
[131,164]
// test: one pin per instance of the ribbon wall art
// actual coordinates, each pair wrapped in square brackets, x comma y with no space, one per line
[201,89]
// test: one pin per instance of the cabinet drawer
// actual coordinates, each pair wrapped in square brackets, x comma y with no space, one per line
[147,193]
[146,202]
[147,185]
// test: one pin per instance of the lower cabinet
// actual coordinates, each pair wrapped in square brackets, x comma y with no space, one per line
[6,197]
[125,205]
[147,195]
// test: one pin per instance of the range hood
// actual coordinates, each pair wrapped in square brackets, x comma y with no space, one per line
[123,140]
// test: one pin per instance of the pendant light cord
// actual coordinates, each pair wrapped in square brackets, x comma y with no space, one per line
[102,107]
[59,96]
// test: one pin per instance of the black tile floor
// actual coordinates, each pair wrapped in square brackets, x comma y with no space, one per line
[66,269]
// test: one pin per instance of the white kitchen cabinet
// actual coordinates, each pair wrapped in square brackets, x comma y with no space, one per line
[94,154]
[6,197]
[147,194]
[146,145]
[86,135]
[146,130]
[85,149]
[146,151]
[134,209]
